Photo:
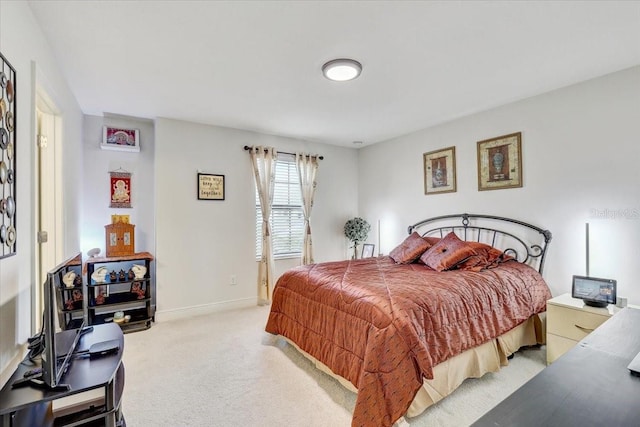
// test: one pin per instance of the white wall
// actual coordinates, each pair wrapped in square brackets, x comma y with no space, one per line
[200,244]
[25,47]
[96,195]
[580,161]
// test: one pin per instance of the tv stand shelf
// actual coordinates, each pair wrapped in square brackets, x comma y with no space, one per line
[32,406]
[128,294]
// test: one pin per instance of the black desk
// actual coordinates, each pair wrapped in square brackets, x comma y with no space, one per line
[31,406]
[588,386]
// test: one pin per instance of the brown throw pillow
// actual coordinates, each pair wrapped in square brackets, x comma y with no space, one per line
[431,240]
[409,250]
[486,257]
[447,253]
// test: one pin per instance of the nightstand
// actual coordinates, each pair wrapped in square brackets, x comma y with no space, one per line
[569,320]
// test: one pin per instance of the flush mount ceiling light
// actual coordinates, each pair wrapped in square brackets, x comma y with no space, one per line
[342,70]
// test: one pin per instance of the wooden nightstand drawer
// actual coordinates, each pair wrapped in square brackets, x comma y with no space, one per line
[571,323]
[557,346]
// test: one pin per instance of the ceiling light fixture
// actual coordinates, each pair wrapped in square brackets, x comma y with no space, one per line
[342,70]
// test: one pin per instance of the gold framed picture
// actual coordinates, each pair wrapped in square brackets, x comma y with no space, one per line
[500,162]
[440,171]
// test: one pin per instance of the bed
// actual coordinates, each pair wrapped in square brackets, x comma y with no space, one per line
[404,331]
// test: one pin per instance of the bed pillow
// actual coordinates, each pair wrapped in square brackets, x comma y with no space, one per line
[486,257]
[409,250]
[447,253]
[431,240]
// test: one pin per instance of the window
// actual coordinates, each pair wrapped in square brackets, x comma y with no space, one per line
[287,219]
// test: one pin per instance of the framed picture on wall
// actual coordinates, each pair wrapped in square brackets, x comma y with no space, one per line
[500,162]
[440,171]
[210,186]
[120,139]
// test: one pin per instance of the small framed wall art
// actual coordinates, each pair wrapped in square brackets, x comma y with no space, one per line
[210,186]
[120,189]
[120,139]
[440,171]
[500,162]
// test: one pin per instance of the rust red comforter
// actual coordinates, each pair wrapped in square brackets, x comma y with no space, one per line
[384,326]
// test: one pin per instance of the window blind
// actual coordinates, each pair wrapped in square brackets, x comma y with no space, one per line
[287,219]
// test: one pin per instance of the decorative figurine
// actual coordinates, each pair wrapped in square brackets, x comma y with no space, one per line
[78,280]
[139,271]
[122,275]
[69,278]
[76,296]
[137,288]
[113,276]
[99,275]
[100,298]
[131,274]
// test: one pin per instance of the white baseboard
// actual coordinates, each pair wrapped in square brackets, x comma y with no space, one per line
[12,365]
[197,310]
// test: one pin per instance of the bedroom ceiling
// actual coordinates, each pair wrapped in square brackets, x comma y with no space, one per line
[257,65]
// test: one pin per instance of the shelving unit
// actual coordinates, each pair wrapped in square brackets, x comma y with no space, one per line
[70,314]
[118,293]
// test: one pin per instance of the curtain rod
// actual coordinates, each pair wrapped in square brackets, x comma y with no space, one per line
[247,148]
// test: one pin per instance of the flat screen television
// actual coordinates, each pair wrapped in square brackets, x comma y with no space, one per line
[59,344]
[594,291]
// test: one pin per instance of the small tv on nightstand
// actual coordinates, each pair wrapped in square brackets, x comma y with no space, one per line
[594,291]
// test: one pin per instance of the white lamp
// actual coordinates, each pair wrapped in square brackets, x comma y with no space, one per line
[342,70]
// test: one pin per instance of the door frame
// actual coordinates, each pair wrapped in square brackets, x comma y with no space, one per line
[44,103]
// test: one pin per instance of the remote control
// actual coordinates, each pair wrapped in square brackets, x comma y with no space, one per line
[32,372]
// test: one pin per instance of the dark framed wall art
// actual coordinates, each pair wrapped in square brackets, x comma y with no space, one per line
[500,162]
[210,186]
[7,158]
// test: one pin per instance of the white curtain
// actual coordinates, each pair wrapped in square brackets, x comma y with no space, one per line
[307,169]
[263,160]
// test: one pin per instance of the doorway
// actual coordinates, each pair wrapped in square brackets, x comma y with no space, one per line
[48,209]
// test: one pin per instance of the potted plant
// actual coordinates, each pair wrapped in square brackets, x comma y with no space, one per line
[356,230]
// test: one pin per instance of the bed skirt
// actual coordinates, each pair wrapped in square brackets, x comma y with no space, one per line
[473,363]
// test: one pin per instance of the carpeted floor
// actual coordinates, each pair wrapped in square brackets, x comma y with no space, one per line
[222,369]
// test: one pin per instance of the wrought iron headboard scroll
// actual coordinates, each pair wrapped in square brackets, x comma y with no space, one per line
[525,252]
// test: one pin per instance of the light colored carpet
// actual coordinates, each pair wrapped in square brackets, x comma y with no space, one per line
[222,369]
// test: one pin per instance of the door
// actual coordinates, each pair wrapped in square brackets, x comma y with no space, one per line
[48,212]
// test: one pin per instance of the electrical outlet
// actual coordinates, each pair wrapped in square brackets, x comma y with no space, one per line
[234,279]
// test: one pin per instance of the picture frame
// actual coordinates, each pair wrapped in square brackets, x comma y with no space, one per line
[120,139]
[367,250]
[440,171]
[119,189]
[210,186]
[500,162]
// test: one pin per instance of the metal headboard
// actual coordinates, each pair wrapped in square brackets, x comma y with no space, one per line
[529,246]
